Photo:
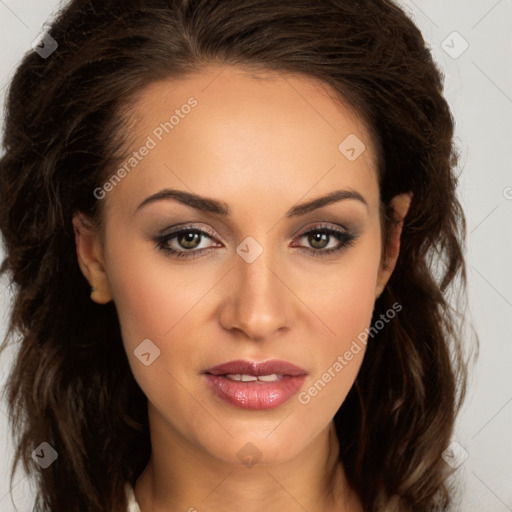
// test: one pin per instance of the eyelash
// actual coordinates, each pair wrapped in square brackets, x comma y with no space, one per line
[162,241]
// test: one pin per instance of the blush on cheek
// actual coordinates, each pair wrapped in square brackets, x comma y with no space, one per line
[347,310]
[156,301]
[350,310]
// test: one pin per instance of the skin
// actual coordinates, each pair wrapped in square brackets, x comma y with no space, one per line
[262,144]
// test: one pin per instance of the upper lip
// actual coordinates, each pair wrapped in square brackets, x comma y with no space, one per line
[243,367]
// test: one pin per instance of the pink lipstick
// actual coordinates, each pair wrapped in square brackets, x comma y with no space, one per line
[256,386]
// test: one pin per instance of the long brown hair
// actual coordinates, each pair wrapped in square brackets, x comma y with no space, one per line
[71,384]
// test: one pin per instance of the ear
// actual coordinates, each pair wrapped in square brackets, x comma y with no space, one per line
[89,251]
[400,204]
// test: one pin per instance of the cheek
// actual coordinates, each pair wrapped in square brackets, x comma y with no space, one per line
[155,300]
[344,305]
[345,293]
[151,294]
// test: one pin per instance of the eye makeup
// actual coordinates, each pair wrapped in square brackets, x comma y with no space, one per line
[185,242]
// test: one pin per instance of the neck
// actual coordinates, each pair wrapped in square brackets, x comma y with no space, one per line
[193,480]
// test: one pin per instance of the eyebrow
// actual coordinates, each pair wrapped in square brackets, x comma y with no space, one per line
[207,204]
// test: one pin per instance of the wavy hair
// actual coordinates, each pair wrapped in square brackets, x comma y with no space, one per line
[71,385]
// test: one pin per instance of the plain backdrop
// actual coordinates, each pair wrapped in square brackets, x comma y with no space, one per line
[472,43]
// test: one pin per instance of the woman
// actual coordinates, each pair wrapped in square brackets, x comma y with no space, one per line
[304,357]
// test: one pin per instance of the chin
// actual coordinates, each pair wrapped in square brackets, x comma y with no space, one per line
[252,448]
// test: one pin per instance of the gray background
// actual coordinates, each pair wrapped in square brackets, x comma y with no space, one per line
[478,86]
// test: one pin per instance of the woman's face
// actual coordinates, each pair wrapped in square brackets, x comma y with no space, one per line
[244,281]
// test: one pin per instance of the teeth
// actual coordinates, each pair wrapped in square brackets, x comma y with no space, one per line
[269,378]
[251,378]
[233,376]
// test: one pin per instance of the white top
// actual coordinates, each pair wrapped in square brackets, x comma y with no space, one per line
[133,506]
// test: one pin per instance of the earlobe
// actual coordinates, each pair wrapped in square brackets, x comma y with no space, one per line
[400,204]
[89,251]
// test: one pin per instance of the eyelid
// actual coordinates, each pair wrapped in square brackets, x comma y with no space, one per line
[188,227]
[323,224]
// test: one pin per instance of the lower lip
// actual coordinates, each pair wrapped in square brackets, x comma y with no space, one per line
[255,395]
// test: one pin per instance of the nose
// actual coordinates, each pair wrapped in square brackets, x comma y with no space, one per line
[258,303]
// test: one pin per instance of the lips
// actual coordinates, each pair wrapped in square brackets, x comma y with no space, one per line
[253,385]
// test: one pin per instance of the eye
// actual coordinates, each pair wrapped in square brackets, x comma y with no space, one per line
[184,242]
[321,236]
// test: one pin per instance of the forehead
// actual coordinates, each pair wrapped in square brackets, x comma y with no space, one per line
[228,131]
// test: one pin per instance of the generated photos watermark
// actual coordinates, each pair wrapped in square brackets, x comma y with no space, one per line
[343,360]
[157,135]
